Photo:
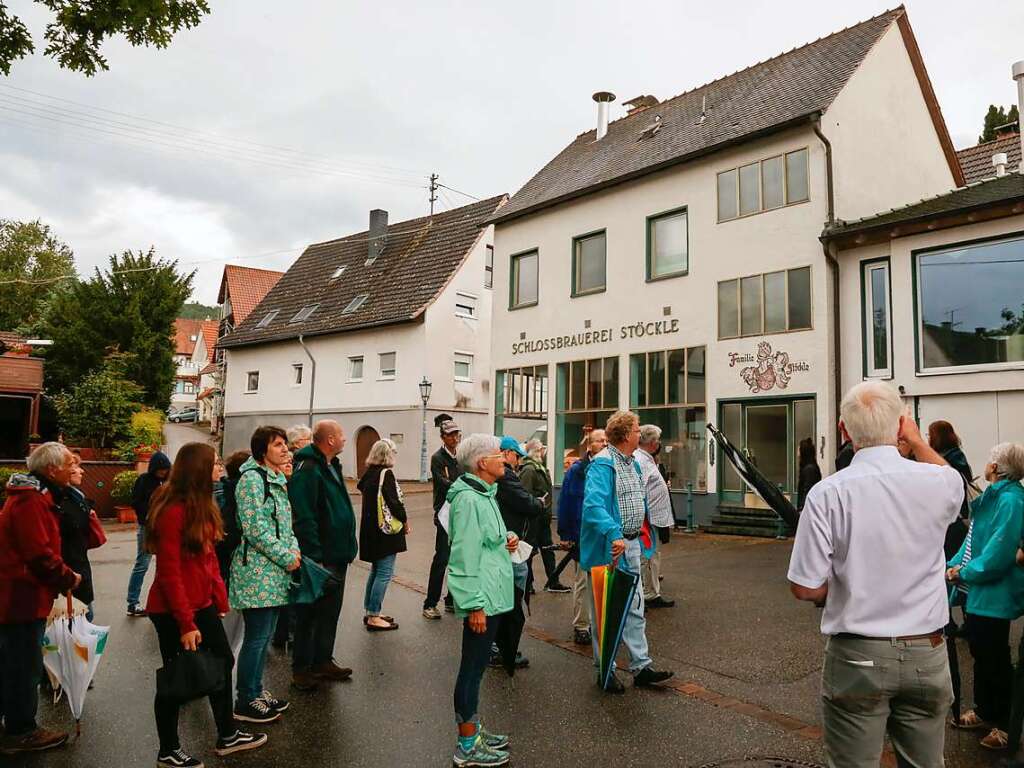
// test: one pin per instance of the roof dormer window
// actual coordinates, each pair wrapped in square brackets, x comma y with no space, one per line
[338,272]
[304,313]
[268,318]
[355,304]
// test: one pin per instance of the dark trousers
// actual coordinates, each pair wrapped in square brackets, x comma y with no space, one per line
[316,627]
[989,641]
[1017,710]
[21,666]
[438,565]
[285,625]
[476,653]
[214,640]
[544,540]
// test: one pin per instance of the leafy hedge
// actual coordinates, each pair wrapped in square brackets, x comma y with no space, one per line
[121,488]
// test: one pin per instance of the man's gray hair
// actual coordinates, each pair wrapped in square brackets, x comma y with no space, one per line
[299,432]
[871,414]
[47,455]
[1009,460]
[534,448]
[382,453]
[474,448]
[650,433]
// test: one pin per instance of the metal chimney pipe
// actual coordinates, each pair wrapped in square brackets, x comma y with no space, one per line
[1018,75]
[603,99]
[999,161]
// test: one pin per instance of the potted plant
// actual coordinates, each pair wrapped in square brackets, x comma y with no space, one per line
[121,493]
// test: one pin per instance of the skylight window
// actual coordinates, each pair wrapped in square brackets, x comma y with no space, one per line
[338,272]
[304,313]
[355,304]
[268,318]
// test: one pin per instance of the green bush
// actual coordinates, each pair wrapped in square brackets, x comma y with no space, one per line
[97,411]
[121,488]
[146,432]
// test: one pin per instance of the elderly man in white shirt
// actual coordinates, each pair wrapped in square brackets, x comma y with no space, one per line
[659,512]
[869,549]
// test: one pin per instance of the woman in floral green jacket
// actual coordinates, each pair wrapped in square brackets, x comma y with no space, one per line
[261,566]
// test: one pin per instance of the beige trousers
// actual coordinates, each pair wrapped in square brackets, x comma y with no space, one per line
[580,614]
[650,575]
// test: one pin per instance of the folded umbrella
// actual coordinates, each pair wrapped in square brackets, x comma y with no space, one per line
[612,589]
[758,483]
[510,632]
[72,648]
[310,581]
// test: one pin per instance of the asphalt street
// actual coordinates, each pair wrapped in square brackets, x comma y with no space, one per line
[747,659]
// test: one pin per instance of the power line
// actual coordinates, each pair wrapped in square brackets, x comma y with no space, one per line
[464,194]
[277,148]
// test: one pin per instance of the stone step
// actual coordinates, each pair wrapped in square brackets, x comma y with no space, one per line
[740,530]
[752,522]
[738,510]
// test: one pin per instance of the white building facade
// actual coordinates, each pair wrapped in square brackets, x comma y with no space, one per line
[368,376]
[673,266]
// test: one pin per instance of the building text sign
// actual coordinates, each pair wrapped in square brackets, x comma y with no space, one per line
[767,370]
[597,336]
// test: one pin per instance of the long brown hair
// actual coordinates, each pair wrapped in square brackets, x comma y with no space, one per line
[191,485]
[942,436]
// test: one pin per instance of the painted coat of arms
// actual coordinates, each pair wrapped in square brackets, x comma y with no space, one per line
[771,371]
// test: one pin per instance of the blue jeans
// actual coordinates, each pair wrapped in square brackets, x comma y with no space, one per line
[634,632]
[259,628]
[21,668]
[377,584]
[142,558]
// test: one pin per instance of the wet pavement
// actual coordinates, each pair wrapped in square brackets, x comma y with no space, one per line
[746,656]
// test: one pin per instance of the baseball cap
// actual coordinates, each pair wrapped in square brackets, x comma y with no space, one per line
[447,427]
[511,444]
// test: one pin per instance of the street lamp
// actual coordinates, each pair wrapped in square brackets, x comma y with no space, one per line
[425,387]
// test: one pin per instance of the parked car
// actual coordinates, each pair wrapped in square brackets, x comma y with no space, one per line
[185,414]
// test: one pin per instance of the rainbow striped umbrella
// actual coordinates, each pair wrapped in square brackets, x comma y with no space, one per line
[612,589]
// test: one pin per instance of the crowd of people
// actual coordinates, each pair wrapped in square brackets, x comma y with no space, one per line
[259,545]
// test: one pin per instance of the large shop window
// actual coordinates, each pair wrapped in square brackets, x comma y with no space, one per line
[668,253]
[589,262]
[588,394]
[764,185]
[669,389]
[775,302]
[521,403]
[877,313]
[970,306]
[523,280]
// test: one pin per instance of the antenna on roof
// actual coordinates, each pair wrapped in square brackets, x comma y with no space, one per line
[703,108]
[433,192]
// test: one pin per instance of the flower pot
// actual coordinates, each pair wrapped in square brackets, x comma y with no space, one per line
[125,514]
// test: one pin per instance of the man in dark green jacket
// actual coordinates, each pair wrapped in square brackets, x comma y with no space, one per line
[325,527]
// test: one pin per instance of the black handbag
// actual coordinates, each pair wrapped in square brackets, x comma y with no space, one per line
[190,675]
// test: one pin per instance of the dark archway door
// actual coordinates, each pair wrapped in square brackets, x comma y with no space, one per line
[365,439]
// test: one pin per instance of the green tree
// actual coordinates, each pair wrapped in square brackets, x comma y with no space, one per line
[196,311]
[31,260]
[128,307]
[995,117]
[79,28]
[97,411]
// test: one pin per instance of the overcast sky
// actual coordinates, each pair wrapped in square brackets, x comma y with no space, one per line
[273,125]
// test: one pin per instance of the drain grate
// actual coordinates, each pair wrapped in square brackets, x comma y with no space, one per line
[761,762]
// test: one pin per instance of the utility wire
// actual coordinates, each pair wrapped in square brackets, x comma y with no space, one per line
[464,194]
[290,150]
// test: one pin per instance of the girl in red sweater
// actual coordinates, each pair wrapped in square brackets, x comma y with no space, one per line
[188,599]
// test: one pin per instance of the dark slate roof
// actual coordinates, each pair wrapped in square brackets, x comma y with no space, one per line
[983,194]
[762,98]
[976,161]
[420,256]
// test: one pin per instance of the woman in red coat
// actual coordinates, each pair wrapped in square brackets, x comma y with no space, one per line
[188,598]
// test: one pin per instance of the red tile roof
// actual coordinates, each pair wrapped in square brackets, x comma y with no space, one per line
[246,287]
[210,330]
[184,330]
[976,161]
[210,368]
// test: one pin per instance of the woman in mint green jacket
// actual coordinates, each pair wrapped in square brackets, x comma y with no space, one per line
[480,583]
[986,567]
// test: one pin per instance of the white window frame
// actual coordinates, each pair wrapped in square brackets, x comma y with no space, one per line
[381,375]
[489,267]
[352,379]
[471,315]
[468,359]
[297,374]
[867,269]
[248,381]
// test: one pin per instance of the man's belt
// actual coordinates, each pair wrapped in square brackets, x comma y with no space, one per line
[935,637]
